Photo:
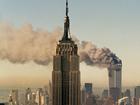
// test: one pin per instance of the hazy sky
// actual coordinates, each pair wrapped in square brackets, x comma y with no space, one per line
[107,23]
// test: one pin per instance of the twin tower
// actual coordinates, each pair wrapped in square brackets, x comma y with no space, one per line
[66,74]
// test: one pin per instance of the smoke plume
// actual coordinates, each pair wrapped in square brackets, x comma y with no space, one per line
[101,57]
[24,44]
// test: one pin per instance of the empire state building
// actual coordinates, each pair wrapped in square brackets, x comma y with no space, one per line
[66,74]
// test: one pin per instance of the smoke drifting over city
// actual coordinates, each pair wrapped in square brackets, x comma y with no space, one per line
[101,57]
[24,44]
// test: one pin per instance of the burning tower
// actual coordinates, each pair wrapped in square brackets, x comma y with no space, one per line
[115,79]
[66,74]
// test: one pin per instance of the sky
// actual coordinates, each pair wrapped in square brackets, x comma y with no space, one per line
[114,24]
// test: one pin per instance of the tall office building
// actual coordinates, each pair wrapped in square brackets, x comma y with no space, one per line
[40,97]
[88,87]
[83,96]
[127,93]
[13,98]
[33,101]
[66,74]
[28,96]
[115,79]
[137,91]
[87,97]
[105,93]
[90,99]
[46,94]
[136,100]
[50,92]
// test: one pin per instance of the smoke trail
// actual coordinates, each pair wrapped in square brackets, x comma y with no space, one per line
[20,45]
[25,44]
[101,57]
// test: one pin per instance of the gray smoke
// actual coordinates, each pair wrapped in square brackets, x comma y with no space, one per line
[24,44]
[101,57]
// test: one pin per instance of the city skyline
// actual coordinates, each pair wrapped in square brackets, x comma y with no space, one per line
[114,26]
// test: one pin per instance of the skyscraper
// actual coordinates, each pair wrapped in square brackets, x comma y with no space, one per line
[127,93]
[13,98]
[105,93]
[88,87]
[115,79]
[83,96]
[40,97]
[28,96]
[66,74]
[137,92]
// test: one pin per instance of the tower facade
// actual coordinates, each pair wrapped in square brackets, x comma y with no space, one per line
[115,80]
[66,74]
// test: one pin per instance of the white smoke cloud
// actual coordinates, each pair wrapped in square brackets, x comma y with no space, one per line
[20,45]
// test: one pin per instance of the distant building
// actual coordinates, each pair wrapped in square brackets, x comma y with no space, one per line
[127,93]
[135,101]
[83,96]
[50,92]
[108,101]
[40,97]
[87,97]
[33,100]
[4,103]
[47,100]
[13,98]
[105,94]
[90,99]
[46,94]
[22,98]
[28,96]
[88,87]
[115,93]
[137,92]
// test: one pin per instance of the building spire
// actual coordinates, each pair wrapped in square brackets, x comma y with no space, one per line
[67,9]
[66,25]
